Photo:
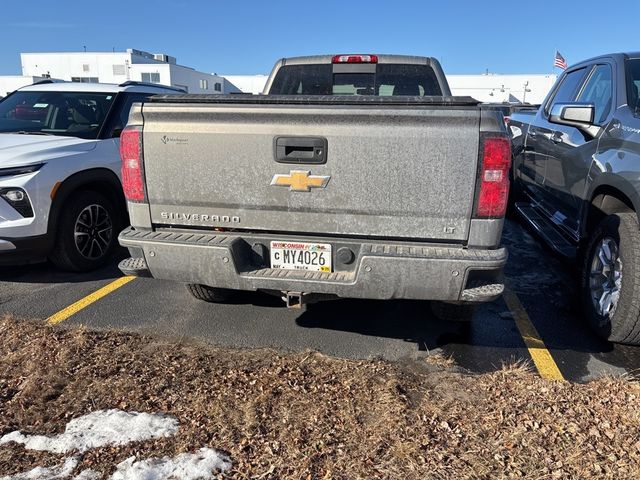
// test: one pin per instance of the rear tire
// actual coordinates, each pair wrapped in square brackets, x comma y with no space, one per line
[453,312]
[610,285]
[86,233]
[209,294]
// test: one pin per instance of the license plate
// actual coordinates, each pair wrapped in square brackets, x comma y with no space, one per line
[301,256]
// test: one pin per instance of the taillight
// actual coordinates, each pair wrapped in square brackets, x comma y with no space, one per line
[131,156]
[355,59]
[495,158]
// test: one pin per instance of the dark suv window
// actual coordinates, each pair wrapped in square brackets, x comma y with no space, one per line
[568,89]
[598,90]
[633,84]
[388,79]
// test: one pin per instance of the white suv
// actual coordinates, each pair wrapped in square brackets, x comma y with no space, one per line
[60,191]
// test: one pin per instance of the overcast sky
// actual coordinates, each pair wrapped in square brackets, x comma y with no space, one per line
[246,37]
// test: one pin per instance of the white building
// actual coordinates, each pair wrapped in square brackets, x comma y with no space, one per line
[491,87]
[503,88]
[118,67]
[248,83]
[9,83]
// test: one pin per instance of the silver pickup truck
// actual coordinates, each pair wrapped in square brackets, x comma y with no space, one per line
[355,176]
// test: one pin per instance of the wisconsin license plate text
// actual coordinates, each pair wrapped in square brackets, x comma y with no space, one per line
[301,256]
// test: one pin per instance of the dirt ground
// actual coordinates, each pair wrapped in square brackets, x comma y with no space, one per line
[308,416]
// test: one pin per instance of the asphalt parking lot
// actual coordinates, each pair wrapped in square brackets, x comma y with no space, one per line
[537,320]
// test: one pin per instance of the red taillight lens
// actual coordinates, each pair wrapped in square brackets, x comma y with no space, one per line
[494,177]
[131,156]
[355,59]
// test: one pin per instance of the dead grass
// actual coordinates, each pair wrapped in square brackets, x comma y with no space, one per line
[440,360]
[517,367]
[309,416]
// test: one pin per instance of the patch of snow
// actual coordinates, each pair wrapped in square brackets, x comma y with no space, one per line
[98,429]
[115,427]
[88,475]
[58,472]
[186,466]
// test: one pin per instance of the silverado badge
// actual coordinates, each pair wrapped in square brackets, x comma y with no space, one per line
[300,180]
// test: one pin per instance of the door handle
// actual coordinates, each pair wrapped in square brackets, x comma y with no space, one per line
[556,137]
[300,150]
[532,134]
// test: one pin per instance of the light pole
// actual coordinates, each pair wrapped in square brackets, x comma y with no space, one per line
[524,93]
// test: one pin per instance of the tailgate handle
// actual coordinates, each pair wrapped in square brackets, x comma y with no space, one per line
[300,150]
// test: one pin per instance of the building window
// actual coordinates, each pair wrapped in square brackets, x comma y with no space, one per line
[85,79]
[217,87]
[151,77]
[204,84]
[119,69]
[85,67]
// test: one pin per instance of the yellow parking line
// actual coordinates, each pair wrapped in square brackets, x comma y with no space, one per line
[74,308]
[541,356]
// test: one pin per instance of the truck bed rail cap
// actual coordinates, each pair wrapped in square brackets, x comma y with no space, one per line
[314,99]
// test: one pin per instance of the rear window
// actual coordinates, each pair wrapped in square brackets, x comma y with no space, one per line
[389,79]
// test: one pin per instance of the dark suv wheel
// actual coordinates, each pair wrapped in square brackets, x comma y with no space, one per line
[611,279]
[86,233]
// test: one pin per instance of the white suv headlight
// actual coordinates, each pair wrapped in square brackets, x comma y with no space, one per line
[12,171]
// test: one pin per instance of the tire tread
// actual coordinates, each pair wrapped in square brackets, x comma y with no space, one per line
[625,324]
[209,294]
[60,255]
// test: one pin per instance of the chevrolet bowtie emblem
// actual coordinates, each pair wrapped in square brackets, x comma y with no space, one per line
[300,180]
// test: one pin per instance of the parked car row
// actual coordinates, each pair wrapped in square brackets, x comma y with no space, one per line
[355,176]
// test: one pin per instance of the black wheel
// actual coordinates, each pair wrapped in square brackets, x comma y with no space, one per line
[611,279]
[209,294]
[86,232]
[453,312]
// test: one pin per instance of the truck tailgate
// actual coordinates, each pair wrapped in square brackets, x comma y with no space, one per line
[391,170]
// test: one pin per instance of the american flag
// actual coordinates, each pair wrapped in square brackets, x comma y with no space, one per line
[559,61]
